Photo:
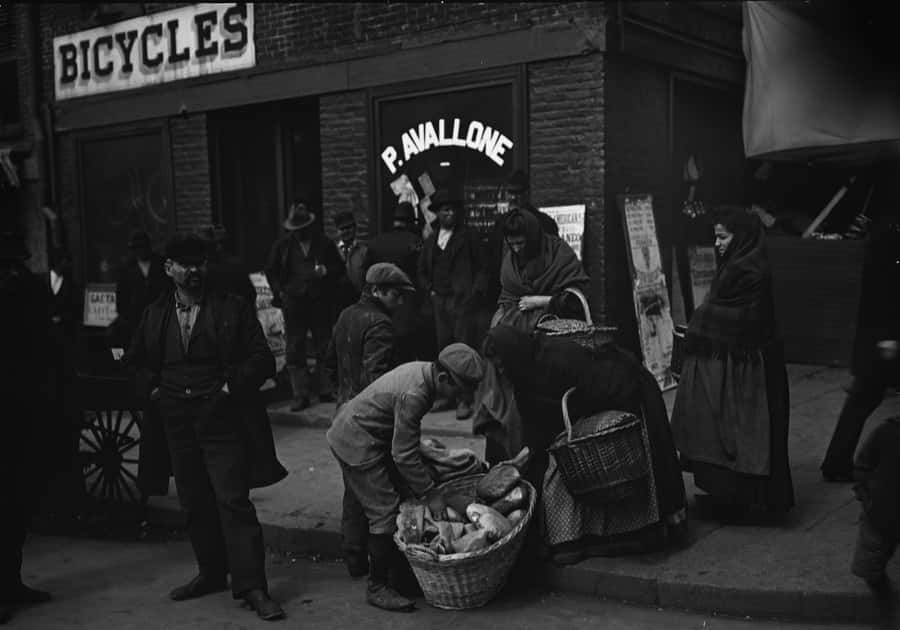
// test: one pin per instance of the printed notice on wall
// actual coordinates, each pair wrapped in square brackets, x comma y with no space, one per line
[651,298]
[703,270]
[99,304]
[570,220]
[271,319]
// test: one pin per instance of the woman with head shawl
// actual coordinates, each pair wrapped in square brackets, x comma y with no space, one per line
[540,369]
[730,419]
[536,267]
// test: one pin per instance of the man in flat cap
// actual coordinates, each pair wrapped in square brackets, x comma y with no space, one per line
[303,270]
[363,348]
[198,359]
[375,438]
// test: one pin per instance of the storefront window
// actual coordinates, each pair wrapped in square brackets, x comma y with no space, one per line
[466,139]
[125,187]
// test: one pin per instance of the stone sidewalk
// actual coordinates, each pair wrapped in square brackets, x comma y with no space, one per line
[796,569]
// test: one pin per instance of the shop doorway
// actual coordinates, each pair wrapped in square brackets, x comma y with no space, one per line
[262,157]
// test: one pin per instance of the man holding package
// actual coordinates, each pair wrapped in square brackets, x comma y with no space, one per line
[375,438]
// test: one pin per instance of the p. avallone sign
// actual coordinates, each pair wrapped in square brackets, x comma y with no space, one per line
[447,132]
[192,41]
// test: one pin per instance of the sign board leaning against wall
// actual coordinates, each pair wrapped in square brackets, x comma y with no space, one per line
[184,43]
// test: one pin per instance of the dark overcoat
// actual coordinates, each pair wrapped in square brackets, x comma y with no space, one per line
[878,318]
[468,273]
[247,361]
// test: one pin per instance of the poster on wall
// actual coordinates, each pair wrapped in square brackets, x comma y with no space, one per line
[651,298]
[99,304]
[271,319]
[570,220]
[703,269]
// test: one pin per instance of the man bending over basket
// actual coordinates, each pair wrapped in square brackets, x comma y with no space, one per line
[375,438]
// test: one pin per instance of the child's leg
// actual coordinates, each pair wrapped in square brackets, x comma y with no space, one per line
[872,552]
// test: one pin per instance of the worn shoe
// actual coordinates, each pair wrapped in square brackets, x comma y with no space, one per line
[22,594]
[441,405]
[463,410]
[266,608]
[384,597]
[198,587]
[300,404]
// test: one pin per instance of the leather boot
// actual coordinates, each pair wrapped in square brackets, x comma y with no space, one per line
[378,592]
[298,388]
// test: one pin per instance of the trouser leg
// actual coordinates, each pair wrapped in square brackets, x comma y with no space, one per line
[354,534]
[195,492]
[864,397]
[227,464]
[873,551]
[296,328]
[444,321]
[321,335]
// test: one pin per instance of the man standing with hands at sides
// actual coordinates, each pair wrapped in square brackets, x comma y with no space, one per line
[303,270]
[375,438]
[198,359]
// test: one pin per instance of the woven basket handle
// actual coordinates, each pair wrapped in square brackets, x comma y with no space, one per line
[565,411]
[584,303]
[546,317]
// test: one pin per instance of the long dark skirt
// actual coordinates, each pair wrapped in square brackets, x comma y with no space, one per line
[774,491]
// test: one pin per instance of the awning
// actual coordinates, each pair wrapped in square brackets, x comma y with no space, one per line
[812,95]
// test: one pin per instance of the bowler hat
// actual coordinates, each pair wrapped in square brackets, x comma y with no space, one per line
[445,197]
[299,217]
[405,212]
[388,275]
[12,246]
[344,219]
[462,362]
[139,240]
[187,249]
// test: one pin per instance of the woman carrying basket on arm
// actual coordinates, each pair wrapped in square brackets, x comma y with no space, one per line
[536,267]
[730,419]
[541,369]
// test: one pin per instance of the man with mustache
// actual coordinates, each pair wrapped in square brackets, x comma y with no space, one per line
[198,358]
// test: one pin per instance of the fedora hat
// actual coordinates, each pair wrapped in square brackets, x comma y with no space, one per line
[446,197]
[299,217]
[405,212]
[12,246]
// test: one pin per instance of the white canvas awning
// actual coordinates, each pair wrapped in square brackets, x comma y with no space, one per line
[811,95]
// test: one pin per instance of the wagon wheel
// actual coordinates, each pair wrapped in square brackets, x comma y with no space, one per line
[109,447]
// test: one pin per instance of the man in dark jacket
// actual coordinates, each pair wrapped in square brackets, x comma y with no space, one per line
[451,272]
[353,253]
[303,270]
[141,281]
[24,332]
[362,349]
[876,364]
[226,273]
[199,358]
[401,246]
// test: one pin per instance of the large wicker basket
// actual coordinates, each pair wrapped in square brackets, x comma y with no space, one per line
[467,580]
[601,459]
[584,333]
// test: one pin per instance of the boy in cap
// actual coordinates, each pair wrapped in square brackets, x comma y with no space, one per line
[375,438]
[362,349]
[878,466]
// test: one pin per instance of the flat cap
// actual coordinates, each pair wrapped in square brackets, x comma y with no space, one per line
[387,274]
[344,218]
[462,362]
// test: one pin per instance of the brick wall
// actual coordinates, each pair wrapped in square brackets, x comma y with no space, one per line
[344,140]
[190,172]
[566,146]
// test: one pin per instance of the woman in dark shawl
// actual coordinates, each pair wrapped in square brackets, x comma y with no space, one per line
[731,413]
[536,267]
[541,369]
